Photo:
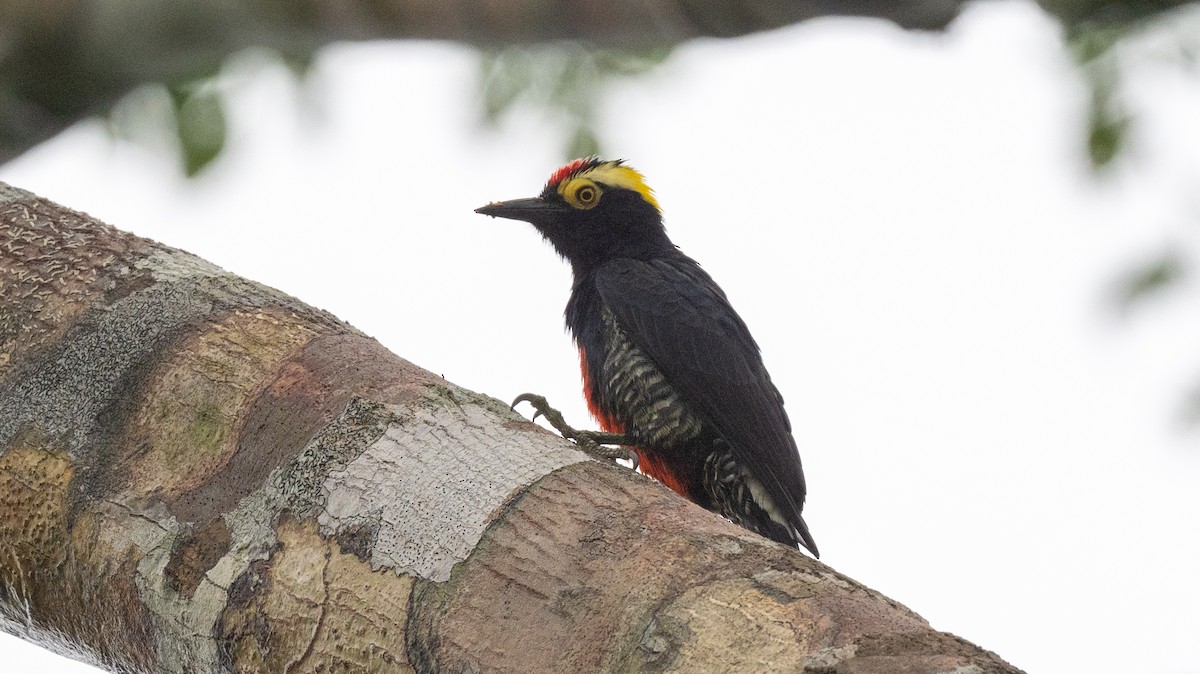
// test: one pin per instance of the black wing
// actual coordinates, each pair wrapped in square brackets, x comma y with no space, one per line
[676,313]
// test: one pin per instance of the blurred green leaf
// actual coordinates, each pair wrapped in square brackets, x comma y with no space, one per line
[632,63]
[199,124]
[1106,49]
[565,80]
[1106,138]
[189,116]
[1149,279]
[1088,42]
[575,87]
[502,82]
[1094,48]
[146,116]
[299,62]
[1107,123]
[583,144]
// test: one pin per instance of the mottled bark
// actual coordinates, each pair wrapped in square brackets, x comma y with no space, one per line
[201,474]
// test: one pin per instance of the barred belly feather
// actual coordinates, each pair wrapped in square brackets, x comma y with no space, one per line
[674,445]
[648,407]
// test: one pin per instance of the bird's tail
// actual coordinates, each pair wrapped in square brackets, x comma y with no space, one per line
[804,538]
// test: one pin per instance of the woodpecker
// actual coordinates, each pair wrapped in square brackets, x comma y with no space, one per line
[670,370]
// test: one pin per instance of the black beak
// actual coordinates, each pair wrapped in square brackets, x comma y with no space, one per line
[518,209]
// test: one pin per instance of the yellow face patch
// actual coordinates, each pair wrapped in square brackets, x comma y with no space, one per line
[593,180]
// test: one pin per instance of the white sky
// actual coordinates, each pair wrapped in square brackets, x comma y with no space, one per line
[906,222]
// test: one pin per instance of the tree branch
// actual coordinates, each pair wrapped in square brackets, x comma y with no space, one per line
[64,61]
[199,473]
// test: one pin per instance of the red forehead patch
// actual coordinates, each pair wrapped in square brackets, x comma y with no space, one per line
[569,168]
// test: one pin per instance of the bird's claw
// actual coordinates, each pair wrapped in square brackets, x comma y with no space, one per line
[530,398]
[537,401]
[592,442]
[542,408]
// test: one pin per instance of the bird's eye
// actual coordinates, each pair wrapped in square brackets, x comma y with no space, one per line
[582,194]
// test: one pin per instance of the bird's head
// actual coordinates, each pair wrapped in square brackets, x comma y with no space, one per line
[593,210]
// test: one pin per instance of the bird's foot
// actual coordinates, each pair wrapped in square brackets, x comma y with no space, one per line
[592,442]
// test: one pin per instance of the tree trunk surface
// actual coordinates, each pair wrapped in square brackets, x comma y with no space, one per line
[201,474]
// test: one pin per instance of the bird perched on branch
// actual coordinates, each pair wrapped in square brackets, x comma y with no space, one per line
[670,370]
